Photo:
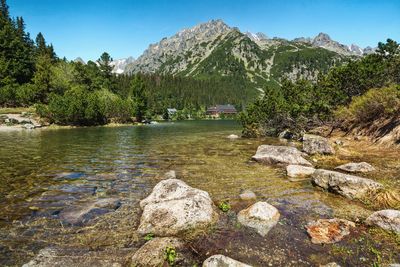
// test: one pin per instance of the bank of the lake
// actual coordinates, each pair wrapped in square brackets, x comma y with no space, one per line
[47,173]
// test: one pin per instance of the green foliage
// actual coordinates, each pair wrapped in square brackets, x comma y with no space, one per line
[170,255]
[224,206]
[373,105]
[300,105]
[149,236]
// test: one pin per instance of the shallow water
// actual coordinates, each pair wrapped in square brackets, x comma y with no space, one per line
[46,171]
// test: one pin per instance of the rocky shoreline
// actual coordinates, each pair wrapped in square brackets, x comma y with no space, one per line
[175,216]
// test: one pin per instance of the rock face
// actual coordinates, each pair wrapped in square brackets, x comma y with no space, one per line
[261,216]
[349,186]
[327,231]
[385,219]
[247,195]
[356,167]
[222,261]
[314,144]
[280,155]
[174,207]
[298,171]
[152,253]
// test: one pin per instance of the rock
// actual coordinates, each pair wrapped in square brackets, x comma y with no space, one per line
[286,134]
[349,186]
[339,142]
[173,207]
[298,171]
[248,195]
[394,265]
[233,136]
[331,264]
[314,144]
[79,214]
[28,126]
[356,167]
[279,155]
[152,253]
[327,231]
[170,175]
[223,261]
[260,216]
[61,257]
[385,219]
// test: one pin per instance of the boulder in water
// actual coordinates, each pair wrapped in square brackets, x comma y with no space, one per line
[386,219]
[174,208]
[314,144]
[356,167]
[280,155]
[297,171]
[327,231]
[260,216]
[349,186]
[223,261]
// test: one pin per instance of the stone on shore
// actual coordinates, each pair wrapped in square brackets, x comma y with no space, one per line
[327,231]
[223,261]
[248,195]
[260,216]
[386,219]
[356,167]
[280,155]
[175,208]
[296,172]
[314,144]
[349,186]
[152,253]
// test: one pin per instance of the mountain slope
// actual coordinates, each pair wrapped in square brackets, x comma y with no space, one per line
[214,49]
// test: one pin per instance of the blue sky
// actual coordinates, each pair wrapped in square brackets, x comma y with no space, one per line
[86,28]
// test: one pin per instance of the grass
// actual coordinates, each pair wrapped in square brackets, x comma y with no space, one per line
[16,110]
[383,199]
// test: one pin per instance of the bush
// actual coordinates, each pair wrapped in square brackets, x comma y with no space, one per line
[375,104]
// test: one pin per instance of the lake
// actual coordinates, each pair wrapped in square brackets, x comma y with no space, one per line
[46,171]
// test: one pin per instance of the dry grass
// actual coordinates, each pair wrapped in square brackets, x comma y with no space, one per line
[17,110]
[383,199]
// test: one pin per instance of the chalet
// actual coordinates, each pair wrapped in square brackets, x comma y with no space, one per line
[221,109]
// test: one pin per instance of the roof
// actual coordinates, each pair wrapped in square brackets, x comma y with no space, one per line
[222,108]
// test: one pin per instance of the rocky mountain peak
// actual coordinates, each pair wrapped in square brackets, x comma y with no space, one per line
[259,36]
[321,39]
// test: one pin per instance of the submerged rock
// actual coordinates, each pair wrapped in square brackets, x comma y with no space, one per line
[78,214]
[314,144]
[349,186]
[61,257]
[260,216]
[331,264]
[356,167]
[223,261]
[327,231]
[233,136]
[386,219]
[297,171]
[153,253]
[248,195]
[280,155]
[174,207]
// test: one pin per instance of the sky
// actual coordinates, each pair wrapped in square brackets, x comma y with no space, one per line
[123,28]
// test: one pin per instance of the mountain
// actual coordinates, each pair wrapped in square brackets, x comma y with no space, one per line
[214,49]
[119,65]
[323,40]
